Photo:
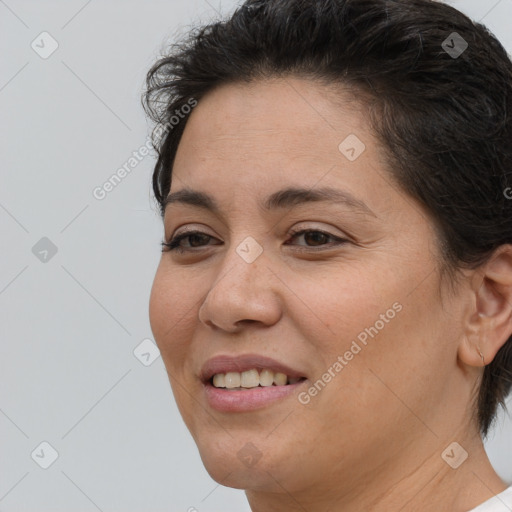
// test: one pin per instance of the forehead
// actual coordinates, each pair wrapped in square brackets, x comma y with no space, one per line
[271,130]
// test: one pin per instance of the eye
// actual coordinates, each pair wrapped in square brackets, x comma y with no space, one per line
[175,243]
[317,237]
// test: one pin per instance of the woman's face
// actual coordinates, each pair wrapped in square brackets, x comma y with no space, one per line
[354,312]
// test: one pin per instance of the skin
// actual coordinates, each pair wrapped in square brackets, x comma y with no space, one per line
[372,439]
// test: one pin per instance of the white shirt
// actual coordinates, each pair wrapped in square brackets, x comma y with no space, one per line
[500,503]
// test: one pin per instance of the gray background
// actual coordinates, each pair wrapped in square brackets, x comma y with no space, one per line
[71,323]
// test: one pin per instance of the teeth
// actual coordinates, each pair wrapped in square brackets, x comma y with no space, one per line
[280,379]
[219,380]
[251,379]
[266,378]
[232,380]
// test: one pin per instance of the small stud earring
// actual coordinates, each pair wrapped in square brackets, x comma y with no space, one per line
[482,356]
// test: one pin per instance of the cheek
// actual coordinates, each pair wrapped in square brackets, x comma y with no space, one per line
[159,306]
[372,320]
[335,305]
[170,310]
[170,306]
[385,381]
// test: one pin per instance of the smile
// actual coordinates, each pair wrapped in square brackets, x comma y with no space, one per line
[252,379]
[247,382]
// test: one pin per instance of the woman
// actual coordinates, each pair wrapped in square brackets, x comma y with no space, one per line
[357,369]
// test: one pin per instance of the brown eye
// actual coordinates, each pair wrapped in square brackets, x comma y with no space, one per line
[197,239]
[317,238]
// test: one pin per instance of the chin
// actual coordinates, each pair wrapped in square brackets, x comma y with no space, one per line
[226,469]
[236,462]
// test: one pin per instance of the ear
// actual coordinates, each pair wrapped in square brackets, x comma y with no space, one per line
[489,324]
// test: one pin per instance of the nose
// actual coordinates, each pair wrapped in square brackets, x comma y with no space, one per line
[245,291]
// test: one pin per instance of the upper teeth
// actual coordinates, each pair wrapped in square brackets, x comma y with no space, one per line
[251,379]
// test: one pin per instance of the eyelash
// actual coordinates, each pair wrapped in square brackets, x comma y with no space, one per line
[173,244]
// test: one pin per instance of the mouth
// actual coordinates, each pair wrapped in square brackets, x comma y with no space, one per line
[250,379]
[247,382]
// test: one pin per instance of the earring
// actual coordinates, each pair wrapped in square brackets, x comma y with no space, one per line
[481,355]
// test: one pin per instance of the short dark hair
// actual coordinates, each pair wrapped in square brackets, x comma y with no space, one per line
[442,115]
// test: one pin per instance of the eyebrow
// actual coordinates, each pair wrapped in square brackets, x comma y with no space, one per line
[285,198]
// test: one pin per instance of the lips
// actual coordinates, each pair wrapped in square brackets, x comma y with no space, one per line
[242,363]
